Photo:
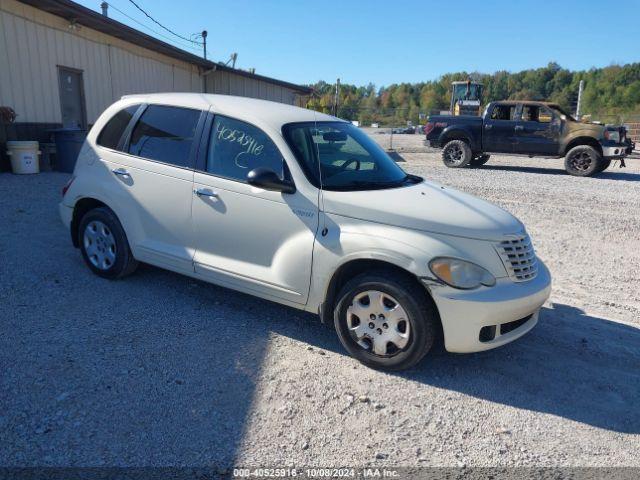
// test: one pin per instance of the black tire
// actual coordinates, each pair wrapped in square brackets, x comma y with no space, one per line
[456,154]
[114,259]
[479,160]
[604,164]
[421,328]
[582,161]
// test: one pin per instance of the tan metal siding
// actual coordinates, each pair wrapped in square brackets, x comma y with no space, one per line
[228,83]
[34,43]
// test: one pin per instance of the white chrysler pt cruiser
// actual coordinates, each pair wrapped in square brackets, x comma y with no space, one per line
[304,209]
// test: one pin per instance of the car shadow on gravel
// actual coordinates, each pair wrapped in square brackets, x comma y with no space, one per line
[395,156]
[611,174]
[572,365]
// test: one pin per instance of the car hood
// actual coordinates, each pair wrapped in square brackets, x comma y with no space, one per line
[594,129]
[426,206]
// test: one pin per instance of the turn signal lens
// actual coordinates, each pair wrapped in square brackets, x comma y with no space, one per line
[428,128]
[460,273]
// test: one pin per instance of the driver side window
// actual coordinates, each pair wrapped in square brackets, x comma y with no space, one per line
[236,148]
[536,113]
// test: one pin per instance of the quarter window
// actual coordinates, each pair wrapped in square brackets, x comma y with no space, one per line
[112,132]
[165,134]
[236,148]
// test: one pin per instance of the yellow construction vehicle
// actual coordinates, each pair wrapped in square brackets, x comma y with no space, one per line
[466,98]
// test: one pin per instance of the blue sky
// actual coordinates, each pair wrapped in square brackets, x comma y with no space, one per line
[384,42]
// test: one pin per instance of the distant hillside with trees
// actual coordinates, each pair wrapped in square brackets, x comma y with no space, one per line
[610,92]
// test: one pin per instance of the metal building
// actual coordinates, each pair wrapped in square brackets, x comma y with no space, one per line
[62,64]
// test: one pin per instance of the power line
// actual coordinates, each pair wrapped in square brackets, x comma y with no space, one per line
[158,23]
[183,45]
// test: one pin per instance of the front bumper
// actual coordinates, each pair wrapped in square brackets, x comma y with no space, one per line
[617,150]
[464,313]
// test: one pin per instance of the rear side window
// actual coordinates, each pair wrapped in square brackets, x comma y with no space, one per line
[165,134]
[112,132]
[236,148]
[503,112]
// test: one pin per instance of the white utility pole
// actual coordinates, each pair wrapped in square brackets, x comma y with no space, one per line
[580,88]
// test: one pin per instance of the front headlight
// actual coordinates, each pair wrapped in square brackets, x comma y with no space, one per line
[612,135]
[461,274]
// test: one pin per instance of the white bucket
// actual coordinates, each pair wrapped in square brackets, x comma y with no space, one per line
[24,157]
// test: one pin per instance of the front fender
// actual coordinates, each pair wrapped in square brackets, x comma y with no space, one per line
[350,239]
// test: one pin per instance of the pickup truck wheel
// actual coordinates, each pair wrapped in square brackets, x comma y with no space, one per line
[384,320]
[456,154]
[582,161]
[478,160]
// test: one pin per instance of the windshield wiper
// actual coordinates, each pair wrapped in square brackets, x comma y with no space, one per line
[371,184]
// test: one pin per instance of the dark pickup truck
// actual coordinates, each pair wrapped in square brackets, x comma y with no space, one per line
[529,128]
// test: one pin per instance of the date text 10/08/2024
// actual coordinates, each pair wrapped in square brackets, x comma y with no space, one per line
[315,473]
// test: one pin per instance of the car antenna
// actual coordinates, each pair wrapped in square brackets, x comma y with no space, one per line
[321,192]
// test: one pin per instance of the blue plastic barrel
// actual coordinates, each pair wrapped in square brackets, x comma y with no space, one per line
[68,144]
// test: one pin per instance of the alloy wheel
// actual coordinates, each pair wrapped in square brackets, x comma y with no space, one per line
[454,154]
[581,161]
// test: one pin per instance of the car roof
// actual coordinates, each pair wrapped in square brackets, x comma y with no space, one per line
[263,113]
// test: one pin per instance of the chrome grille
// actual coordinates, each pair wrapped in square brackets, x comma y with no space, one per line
[518,257]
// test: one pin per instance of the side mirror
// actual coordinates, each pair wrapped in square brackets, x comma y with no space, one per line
[262,177]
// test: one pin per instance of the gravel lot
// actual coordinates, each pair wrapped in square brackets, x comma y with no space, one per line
[159,369]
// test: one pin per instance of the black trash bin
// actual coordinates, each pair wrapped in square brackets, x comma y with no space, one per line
[68,144]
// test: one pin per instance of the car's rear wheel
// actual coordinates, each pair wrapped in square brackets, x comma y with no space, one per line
[456,154]
[582,161]
[104,244]
[479,160]
[385,320]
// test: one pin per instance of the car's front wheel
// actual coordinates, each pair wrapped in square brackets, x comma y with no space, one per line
[385,320]
[104,245]
[582,161]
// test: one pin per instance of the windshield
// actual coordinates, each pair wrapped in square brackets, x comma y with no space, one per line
[561,111]
[464,91]
[348,158]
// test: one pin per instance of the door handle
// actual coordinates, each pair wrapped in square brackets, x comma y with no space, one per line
[120,171]
[488,127]
[201,192]
[519,128]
